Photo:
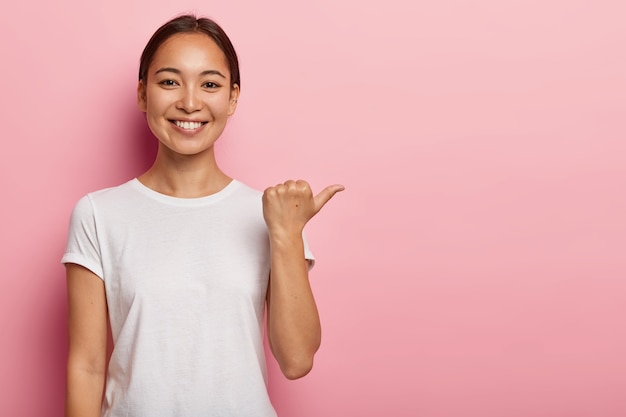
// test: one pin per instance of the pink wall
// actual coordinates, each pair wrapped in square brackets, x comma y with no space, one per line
[474,267]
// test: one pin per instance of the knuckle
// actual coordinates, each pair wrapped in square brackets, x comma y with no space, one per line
[302,185]
[269,193]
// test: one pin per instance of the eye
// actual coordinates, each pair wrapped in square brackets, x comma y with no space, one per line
[210,85]
[168,83]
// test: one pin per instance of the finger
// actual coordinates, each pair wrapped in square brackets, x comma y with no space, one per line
[326,194]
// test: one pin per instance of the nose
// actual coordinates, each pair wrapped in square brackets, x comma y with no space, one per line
[189,101]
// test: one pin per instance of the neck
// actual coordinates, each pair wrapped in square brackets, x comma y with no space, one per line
[185,176]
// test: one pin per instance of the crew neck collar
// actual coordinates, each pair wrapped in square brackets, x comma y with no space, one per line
[186,202]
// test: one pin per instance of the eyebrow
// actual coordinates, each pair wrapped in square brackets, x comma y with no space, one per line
[177,71]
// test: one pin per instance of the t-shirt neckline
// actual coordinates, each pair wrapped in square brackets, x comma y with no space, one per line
[185,202]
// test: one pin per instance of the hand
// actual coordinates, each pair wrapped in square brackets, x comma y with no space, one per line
[288,207]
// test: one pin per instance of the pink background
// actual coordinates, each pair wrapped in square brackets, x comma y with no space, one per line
[475,265]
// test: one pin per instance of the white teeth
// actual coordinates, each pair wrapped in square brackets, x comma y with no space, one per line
[188,125]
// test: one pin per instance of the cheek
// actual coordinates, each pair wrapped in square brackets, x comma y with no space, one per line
[157,99]
[221,106]
[155,111]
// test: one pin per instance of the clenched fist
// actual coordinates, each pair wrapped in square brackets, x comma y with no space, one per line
[289,206]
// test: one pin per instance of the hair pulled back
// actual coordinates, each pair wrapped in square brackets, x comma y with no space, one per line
[191,24]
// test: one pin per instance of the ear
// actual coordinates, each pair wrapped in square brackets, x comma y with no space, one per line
[141,96]
[234,96]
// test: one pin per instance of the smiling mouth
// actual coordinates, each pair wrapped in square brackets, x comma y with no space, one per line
[188,125]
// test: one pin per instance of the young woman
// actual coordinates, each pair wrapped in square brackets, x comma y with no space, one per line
[184,261]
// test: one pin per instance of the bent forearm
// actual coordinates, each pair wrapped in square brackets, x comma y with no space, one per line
[293,321]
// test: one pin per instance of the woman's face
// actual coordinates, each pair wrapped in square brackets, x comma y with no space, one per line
[187,96]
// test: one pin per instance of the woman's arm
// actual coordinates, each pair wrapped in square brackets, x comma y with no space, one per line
[87,330]
[293,324]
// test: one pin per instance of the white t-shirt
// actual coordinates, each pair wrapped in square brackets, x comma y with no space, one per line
[185,282]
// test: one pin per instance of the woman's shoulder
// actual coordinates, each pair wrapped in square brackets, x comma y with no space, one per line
[121,189]
[105,195]
[246,189]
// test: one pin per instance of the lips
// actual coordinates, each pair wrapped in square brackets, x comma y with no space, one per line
[188,125]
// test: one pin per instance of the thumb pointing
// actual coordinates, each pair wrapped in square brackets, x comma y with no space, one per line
[326,194]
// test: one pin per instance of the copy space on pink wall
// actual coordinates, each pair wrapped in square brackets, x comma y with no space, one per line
[475,266]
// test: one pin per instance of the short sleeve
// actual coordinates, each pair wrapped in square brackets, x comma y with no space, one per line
[308,255]
[83,247]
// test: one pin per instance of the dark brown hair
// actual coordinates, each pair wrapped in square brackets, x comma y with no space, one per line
[191,24]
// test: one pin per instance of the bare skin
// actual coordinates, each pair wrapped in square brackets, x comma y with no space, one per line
[293,322]
[87,329]
[185,167]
